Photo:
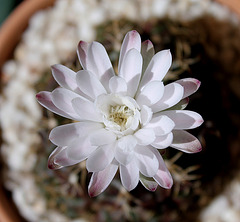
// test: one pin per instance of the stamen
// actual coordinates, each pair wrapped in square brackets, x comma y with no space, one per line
[120,114]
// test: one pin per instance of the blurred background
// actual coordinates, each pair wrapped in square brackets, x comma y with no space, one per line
[6,7]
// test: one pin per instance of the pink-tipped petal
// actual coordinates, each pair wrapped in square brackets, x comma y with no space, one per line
[184,119]
[185,142]
[147,52]
[146,160]
[82,53]
[132,40]
[157,68]
[161,125]
[59,159]
[64,76]
[162,142]
[163,176]
[89,84]
[129,175]
[45,99]
[150,94]
[131,69]
[66,134]
[148,182]
[190,86]
[118,85]
[101,180]
[172,94]
[100,158]
[100,64]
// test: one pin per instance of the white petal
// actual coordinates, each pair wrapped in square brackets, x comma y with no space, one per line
[82,53]
[59,159]
[45,99]
[161,125]
[182,104]
[80,149]
[64,135]
[147,160]
[132,40]
[117,85]
[100,180]
[62,98]
[185,142]
[150,93]
[146,115]
[173,93]
[129,175]
[163,176]
[145,136]
[89,84]
[190,86]
[102,137]
[100,63]
[162,142]
[124,151]
[86,109]
[131,69]
[64,76]
[157,68]
[133,122]
[148,182]
[147,52]
[100,158]
[184,119]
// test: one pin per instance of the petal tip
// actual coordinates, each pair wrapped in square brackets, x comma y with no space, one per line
[93,193]
[81,43]
[199,149]
[197,82]
[147,42]
[134,36]
[169,184]
[153,189]
[54,66]
[133,32]
[39,96]
[52,165]
[201,121]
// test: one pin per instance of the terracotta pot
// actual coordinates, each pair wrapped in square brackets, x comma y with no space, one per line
[10,34]
[234,5]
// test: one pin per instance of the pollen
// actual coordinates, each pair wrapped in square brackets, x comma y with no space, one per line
[120,114]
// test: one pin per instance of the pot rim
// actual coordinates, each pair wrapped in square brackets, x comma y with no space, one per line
[10,34]
[233,5]
[16,23]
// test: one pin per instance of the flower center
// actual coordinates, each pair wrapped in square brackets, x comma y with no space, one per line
[120,114]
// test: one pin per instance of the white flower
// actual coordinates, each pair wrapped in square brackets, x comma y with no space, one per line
[121,120]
